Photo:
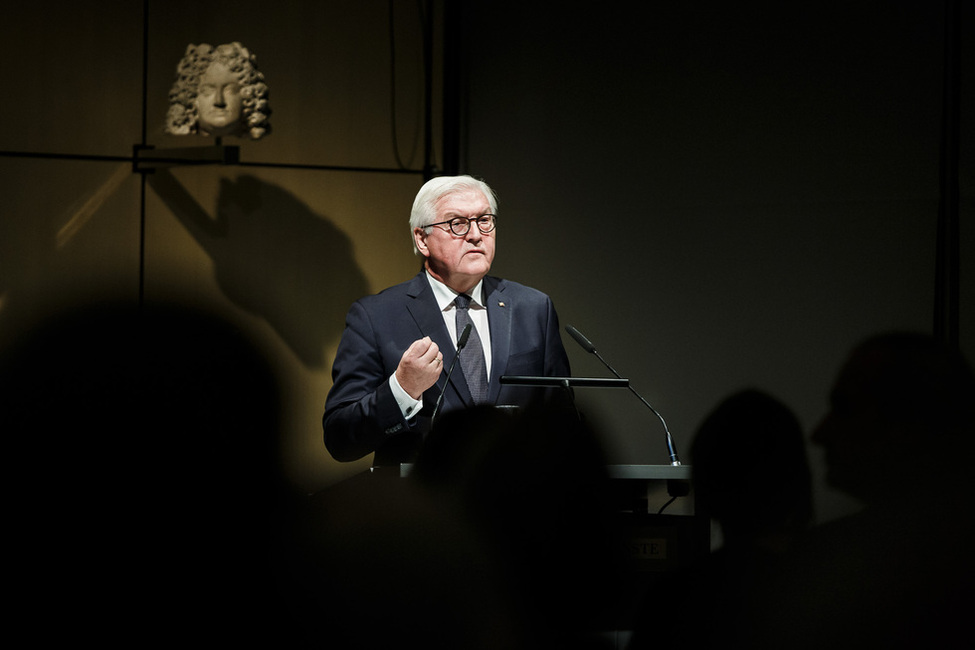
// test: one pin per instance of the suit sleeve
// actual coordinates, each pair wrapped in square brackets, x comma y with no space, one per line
[360,410]
[556,359]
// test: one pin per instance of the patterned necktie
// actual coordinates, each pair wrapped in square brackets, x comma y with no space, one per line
[472,356]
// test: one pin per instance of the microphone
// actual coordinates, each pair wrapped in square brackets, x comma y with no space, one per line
[587,345]
[461,342]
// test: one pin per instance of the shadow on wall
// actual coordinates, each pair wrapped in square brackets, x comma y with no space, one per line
[275,258]
[66,244]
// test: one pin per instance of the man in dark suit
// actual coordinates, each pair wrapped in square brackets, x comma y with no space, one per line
[391,364]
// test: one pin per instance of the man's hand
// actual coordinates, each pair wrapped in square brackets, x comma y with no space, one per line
[419,367]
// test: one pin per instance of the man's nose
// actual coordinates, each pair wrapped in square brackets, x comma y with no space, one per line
[474,233]
[218,97]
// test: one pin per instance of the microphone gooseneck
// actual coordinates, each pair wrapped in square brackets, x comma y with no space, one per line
[461,342]
[587,345]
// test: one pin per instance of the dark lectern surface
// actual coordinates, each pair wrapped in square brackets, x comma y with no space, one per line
[649,472]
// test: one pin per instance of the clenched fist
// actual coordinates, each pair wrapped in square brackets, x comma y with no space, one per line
[419,367]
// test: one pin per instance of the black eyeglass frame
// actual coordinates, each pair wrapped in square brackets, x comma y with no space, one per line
[468,221]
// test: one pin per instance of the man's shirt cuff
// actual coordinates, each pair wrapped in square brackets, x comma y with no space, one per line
[408,406]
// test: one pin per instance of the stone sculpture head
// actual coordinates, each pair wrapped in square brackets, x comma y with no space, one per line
[218,91]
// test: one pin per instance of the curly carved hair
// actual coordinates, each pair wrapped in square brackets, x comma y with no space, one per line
[183,118]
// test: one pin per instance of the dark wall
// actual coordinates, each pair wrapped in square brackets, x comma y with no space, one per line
[719,195]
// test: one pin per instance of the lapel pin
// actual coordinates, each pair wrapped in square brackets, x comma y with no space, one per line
[500,304]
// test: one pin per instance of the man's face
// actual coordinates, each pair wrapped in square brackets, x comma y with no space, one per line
[218,101]
[458,261]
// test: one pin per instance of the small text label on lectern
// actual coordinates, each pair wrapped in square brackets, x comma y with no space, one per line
[648,548]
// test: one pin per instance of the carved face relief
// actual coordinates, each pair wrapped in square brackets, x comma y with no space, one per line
[218,101]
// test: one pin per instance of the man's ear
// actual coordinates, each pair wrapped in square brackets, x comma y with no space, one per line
[420,239]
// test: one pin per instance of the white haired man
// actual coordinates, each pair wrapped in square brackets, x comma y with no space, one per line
[391,365]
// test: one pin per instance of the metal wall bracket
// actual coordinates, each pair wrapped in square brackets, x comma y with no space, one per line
[147,159]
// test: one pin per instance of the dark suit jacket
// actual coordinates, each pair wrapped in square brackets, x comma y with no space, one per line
[361,414]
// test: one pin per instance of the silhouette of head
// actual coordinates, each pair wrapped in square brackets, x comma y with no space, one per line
[534,482]
[902,407]
[144,446]
[749,466]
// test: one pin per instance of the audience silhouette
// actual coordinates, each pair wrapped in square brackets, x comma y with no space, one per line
[499,536]
[147,504]
[899,436]
[141,477]
[750,473]
[534,485]
[375,563]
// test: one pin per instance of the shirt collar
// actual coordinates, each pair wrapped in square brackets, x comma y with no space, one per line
[445,295]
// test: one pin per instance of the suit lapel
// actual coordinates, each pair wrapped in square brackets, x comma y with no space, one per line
[499,320]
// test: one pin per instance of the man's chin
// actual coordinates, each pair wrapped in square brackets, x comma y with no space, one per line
[475,264]
[477,272]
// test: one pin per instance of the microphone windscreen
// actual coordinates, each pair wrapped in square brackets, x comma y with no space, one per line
[466,334]
[580,339]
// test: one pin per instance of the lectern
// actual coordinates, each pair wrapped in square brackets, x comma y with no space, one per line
[657,541]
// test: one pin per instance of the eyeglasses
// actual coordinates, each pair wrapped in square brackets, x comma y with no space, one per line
[460,226]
